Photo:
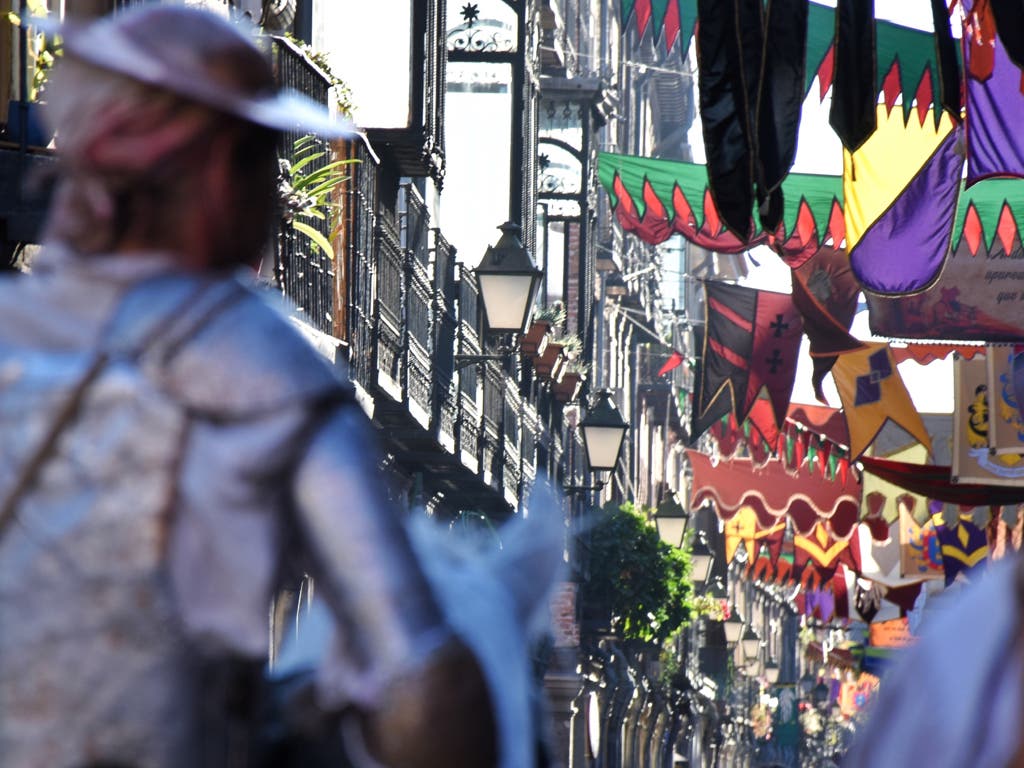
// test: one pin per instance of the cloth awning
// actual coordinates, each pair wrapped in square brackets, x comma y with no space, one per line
[933,482]
[772,492]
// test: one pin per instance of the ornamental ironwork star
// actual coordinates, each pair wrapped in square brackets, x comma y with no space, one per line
[470,12]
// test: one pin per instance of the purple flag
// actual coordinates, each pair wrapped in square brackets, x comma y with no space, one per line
[964,546]
[995,104]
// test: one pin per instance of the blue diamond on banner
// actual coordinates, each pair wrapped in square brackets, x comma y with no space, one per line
[869,389]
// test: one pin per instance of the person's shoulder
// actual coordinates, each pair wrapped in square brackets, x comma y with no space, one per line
[246,356]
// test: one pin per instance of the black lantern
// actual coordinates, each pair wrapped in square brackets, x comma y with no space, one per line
[603,429]
[671,520]
[509,281]
[771,672]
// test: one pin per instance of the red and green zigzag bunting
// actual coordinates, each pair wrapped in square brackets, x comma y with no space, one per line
[655,199]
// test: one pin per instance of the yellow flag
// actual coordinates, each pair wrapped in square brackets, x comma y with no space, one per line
[873,392]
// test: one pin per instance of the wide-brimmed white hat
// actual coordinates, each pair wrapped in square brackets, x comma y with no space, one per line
[201,56]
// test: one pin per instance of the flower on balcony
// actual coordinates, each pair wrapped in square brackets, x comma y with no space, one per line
[716,609]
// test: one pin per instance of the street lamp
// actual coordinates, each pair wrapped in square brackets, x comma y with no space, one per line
[771,672]
[671,519]
[509,281]
[604,430]
[750,643]
[733,630]
[701,557]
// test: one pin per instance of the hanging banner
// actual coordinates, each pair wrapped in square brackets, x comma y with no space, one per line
[973,462]
[920,549]
[980,291]
[1006,425]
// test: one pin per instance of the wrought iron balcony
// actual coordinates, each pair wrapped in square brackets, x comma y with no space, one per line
[303,271]
[417,347]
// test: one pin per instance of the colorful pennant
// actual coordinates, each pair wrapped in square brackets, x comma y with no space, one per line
[995,103]
[873,392]
[900,193]
[752,339]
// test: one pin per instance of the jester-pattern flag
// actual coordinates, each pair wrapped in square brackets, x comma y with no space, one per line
[981,285]
[900,193]
[873,392]
[751,342]
[995,103]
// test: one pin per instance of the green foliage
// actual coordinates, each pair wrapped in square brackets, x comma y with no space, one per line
[570,343]
[42,51]
[341,90]
[642,586]
[308,194]
[553,313]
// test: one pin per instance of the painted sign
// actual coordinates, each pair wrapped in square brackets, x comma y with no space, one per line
[976,408]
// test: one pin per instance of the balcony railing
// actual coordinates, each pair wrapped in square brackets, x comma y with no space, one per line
[304,272]
[468,429]
[361,193]
[389,308]
[492,455]
[414,225]
[444,336]
[511,428]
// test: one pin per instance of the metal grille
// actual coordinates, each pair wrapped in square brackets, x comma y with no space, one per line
[492,453]
[389,299]
[363,189]
[304,272]
[512,436]
[445,328]
[414,226]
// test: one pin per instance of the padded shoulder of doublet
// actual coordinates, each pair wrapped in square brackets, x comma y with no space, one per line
[240,355]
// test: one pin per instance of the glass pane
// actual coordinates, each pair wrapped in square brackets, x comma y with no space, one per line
[478,120]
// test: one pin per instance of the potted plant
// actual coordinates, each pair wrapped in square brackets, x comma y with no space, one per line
[41,54]
[570,348]
[306,192]
[573,374]
[536,337]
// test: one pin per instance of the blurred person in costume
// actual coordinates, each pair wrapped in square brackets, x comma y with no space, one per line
[172,446]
